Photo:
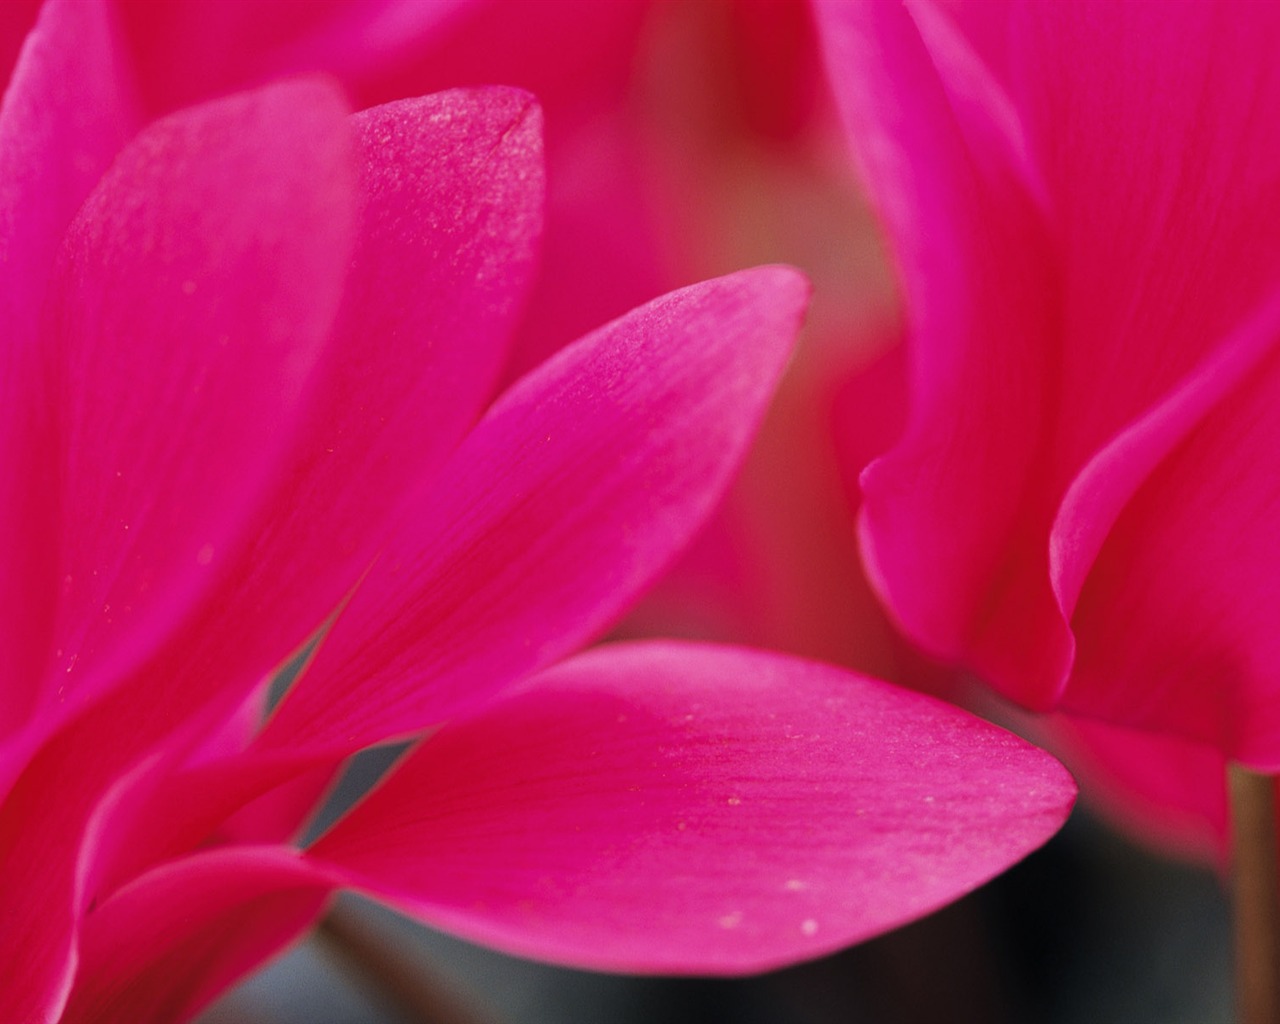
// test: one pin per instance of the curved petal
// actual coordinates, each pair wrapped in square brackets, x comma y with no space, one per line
[680,808]
[188,309]
[573,494]
[1158,247]
[451,192]
[185,320]
[66,112]
[164,947]
[1162,790]
[1176,619]
[16,20]
[940,508]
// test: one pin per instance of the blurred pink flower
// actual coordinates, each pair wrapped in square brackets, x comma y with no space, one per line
[1079,198]
[246,413]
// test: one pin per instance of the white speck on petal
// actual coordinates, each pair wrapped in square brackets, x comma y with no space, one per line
[205,555]
[795,885]
[809,926]
[731,920]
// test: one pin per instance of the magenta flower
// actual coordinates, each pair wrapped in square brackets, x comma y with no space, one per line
[247,413]
[1079,199]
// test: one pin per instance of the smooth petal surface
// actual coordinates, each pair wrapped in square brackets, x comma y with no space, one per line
[188,300]
[1142,141]
[571,495]
[1163,790]
[66,112]
[939,510]
[186,51]
[680,808]
[159,950]
[132,336]
[1177,617]
[450,192]
[444,253]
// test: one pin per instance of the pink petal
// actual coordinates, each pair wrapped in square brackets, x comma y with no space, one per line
[163,454]
[566,501]
[167,447]
[1156,257]
[451,190]
[186,50]
[678,808]
[1160,789]
[601,227]
[16,20]
[1176,620]
[66,112]
[160,950]
[940,508]
[444,253]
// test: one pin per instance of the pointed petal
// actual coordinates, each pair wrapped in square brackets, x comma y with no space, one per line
[679,808]
[571,496]
[451,189]
[163,948]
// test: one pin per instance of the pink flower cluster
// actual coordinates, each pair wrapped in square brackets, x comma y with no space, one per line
[250,415]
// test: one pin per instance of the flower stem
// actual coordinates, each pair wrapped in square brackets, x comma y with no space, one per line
[1255,895]
[401,982]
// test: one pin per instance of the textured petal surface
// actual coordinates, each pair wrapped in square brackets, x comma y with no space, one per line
[161,949]
[690,809]
[451,191]
[571,495]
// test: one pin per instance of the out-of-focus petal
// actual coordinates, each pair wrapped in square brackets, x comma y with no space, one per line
[1154,258]
[1160,789]
[940,509]
[66,112]
[1176,620]
[186,51]
[679,808]
[16,20]
[571,495]
[161,949]
[601,228]
[572,53]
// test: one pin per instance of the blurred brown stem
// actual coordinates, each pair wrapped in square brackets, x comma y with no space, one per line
[1255,895]
[400,982]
